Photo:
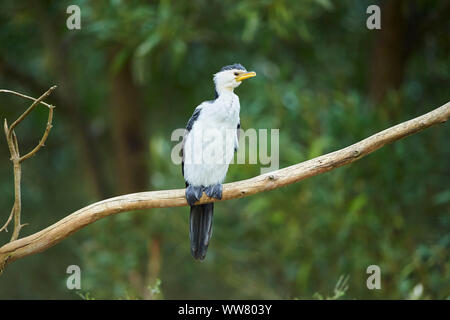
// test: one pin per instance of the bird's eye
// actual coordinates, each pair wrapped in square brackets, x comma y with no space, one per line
[236,73]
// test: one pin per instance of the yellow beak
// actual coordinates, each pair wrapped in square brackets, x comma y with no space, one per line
[245,76]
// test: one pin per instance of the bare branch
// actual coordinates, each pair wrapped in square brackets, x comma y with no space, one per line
[15,143]
[17,196]
[33,105]
[13,146]
[5,127]
[11,142]
[25,96]
[44,137]
[5,226]
[53,234]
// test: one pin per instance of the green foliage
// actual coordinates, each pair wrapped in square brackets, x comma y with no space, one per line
[339,290]
[85,296]
[155,289]
[313,59]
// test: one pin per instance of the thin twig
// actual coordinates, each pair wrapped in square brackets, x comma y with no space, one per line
[5,226]
[24,96]
[17,198]
[11,143]
[44,137]
[15,142]
[34,104]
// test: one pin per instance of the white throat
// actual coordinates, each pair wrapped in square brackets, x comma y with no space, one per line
[224,90]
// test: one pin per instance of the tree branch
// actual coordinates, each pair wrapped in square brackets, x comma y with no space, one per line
[5,226]
[25,96]
[16,159]
[53,234]
[27,112]
[44,137]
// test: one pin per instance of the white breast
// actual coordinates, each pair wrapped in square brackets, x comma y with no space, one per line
[209,146]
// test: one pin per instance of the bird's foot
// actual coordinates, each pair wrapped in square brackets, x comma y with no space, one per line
[214,191]
[193,194]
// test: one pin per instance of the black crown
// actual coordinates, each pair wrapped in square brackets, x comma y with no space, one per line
[233,66]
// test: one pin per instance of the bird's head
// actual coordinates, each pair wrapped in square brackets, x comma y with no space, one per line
[230,77]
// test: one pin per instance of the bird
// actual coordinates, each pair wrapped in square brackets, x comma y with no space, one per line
[210,139]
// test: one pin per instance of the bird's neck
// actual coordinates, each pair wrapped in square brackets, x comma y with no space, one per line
[220,91]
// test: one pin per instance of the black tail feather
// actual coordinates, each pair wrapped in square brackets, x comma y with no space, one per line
[201,219]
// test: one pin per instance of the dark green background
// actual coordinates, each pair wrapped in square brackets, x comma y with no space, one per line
[135,72]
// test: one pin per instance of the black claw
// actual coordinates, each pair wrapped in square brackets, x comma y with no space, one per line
[193,194]
[214,191]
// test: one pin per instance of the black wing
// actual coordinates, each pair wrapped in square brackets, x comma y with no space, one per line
[193,118]
[238,133]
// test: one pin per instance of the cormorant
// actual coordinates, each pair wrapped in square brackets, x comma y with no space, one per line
[210,139]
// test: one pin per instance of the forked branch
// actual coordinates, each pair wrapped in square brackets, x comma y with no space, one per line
[13,145]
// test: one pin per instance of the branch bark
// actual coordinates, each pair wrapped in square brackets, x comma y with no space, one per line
[53,234]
